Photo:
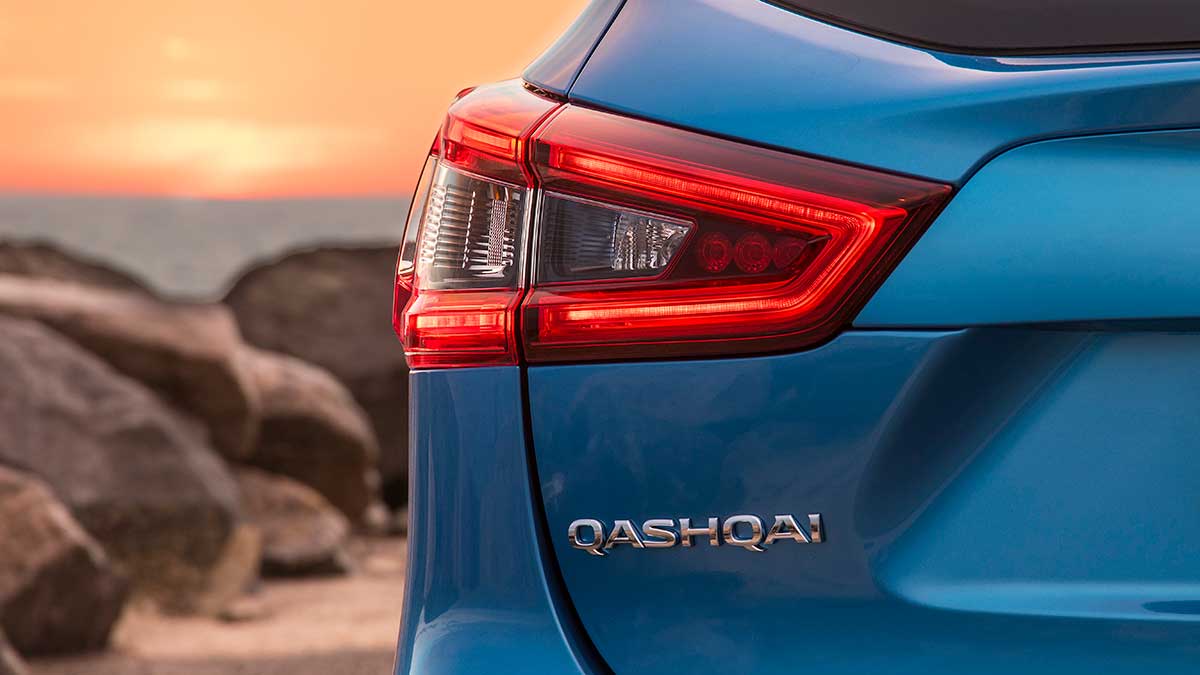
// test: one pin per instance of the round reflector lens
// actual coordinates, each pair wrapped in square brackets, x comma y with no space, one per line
[787,251]
[715,252]
[753,253]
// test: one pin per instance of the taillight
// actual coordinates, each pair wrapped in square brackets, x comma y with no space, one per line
[648,241]
[468,268]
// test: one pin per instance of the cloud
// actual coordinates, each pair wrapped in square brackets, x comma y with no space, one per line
[226,155]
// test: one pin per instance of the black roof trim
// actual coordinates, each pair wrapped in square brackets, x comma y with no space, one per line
[1017,27]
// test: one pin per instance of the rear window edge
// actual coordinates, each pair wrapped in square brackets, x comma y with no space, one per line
[984,51]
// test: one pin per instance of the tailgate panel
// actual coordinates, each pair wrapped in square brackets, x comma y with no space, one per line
[993,498]
[988,495]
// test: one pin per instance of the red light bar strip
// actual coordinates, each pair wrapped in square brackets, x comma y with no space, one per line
[486,130]
[477,138]
[625,173]
[445,329]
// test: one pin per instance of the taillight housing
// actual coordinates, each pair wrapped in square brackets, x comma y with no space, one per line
[468,255]
[632,239]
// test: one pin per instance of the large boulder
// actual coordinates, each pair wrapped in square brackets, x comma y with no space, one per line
[313,431]
[188,353]
[10,661]
[301,532]
[138,476]
[333,307]
[46,261]
[59,592]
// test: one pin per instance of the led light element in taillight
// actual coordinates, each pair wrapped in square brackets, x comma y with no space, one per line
[469,235]
[468,250]
[714,252]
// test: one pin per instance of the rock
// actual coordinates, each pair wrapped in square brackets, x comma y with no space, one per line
[188,353]
[302,532]
[377,521]
[10,662]
[59,593]
[138,476]
[333,307]
[313,431]
[235,572]
[45,261]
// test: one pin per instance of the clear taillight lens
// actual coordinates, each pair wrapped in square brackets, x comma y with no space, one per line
[647,241]
[469,235]
[584,240]
[406,264]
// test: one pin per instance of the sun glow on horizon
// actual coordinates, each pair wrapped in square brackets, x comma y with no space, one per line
[225,98]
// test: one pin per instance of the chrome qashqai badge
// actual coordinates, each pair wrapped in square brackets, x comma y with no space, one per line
[746,531]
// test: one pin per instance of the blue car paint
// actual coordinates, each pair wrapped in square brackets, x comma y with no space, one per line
[1079,229]
[1087,495]
[556,69]
[749,70]
[477,598]
[994,500]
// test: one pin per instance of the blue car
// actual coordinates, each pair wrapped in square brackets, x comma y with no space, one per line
[813,336]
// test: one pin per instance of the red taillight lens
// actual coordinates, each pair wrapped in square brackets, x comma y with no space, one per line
[460,328]
[784,248]
[649,241]
[468,248]
[488,128]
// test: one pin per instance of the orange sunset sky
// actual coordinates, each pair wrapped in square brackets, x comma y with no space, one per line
[245,98]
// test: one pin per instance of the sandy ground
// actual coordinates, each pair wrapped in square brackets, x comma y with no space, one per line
[337,626]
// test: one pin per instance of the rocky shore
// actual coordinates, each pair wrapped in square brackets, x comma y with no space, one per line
[169,455]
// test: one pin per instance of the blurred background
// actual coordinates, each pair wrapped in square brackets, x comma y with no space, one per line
[203,424]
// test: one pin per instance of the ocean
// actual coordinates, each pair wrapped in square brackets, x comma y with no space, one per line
[196,248]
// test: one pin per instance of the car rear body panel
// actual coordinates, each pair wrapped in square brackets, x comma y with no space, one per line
[480,580]
[969,481]
[556,69]
[1001,447]
[1069,230]
[993,500]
